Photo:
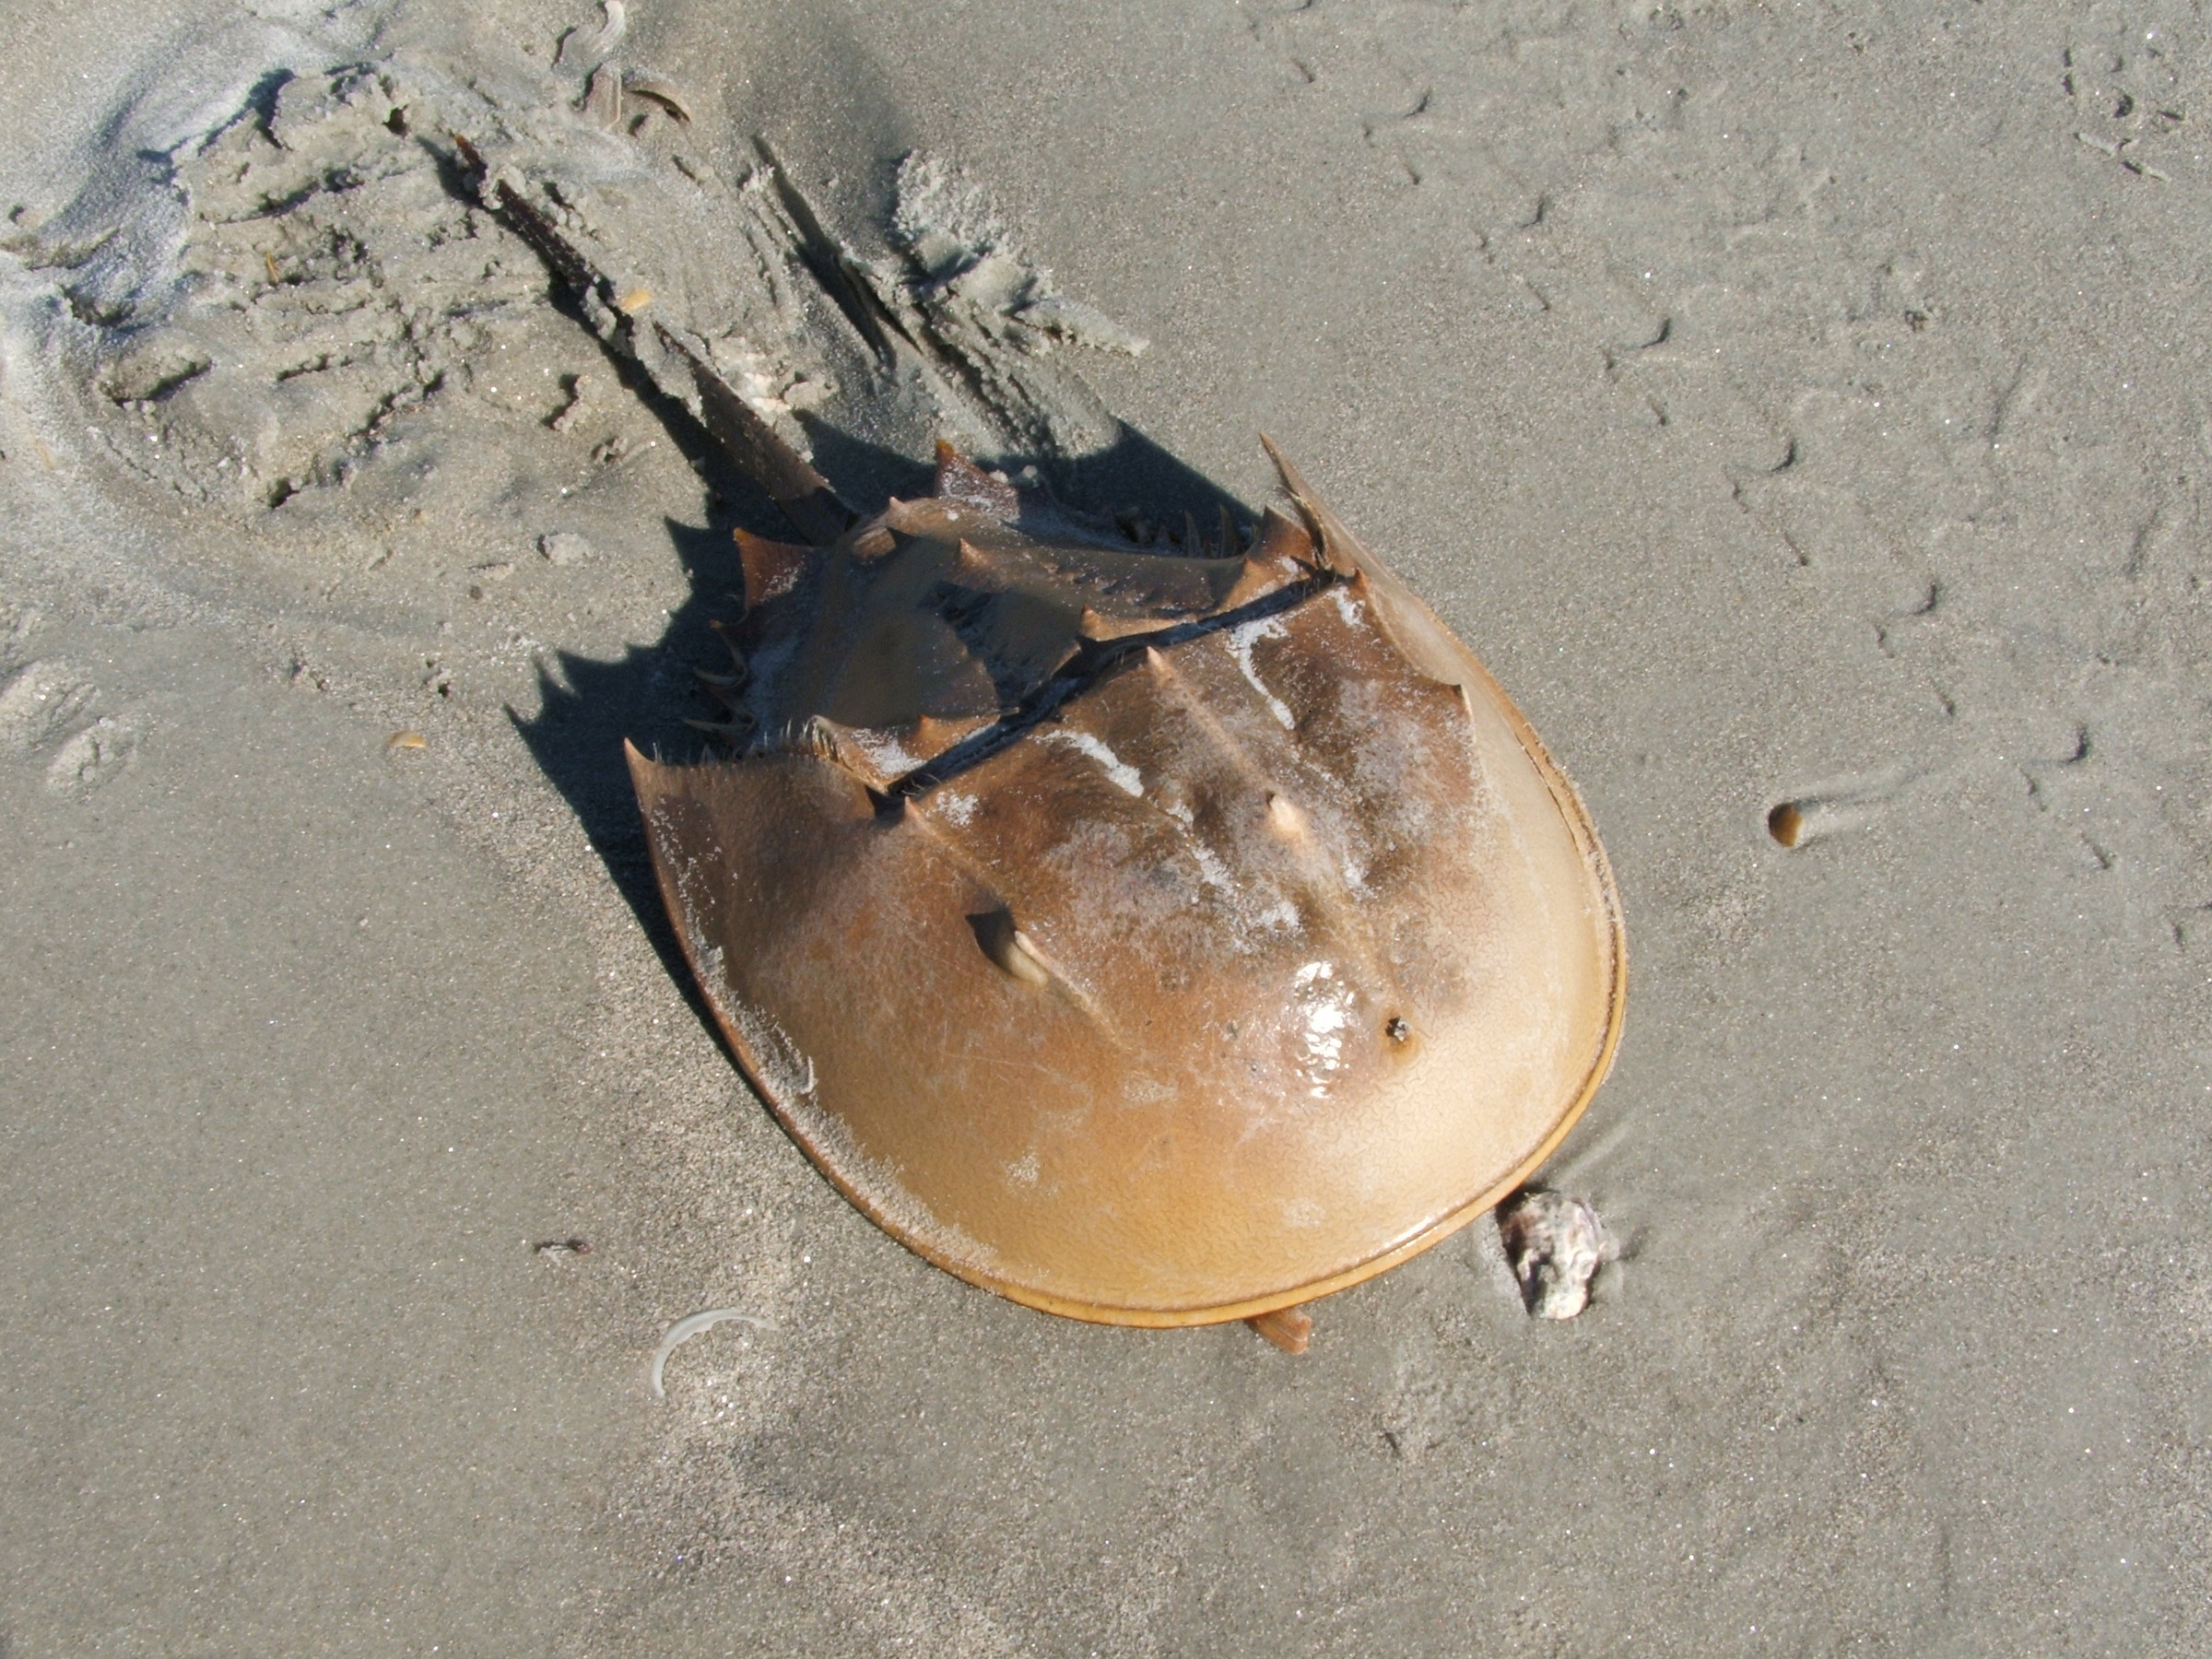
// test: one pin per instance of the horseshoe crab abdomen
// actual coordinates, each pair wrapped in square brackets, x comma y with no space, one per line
[1257,962]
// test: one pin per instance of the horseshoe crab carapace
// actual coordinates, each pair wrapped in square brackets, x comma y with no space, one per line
[1154,937]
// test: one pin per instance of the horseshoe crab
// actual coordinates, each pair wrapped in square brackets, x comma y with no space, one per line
[1156,938]
[1156,934]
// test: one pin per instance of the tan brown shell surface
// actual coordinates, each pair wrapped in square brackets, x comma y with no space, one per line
[1148,937]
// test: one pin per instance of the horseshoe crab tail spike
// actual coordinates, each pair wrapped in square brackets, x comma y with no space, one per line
[1190,543]
[1337,542]
[1232,543]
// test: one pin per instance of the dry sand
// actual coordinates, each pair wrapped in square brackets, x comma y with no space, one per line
[1791,407]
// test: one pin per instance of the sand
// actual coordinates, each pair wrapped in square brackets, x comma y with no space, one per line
[1794,409]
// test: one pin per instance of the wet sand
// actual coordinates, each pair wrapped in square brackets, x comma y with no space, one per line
[1790,409]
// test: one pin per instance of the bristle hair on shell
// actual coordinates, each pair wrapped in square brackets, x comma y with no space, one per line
[814,735]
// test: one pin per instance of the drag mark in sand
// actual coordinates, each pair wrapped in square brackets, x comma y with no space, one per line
[683,1330]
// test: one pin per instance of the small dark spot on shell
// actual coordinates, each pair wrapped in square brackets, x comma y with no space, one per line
[1396,1029]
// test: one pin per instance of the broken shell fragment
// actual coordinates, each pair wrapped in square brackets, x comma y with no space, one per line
[1155,937]
[603,96]
[1554,1245]
[654,89]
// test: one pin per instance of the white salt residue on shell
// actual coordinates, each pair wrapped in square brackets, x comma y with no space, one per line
[1242,639]
[1126,777]
[884,750]
[1554,1245]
